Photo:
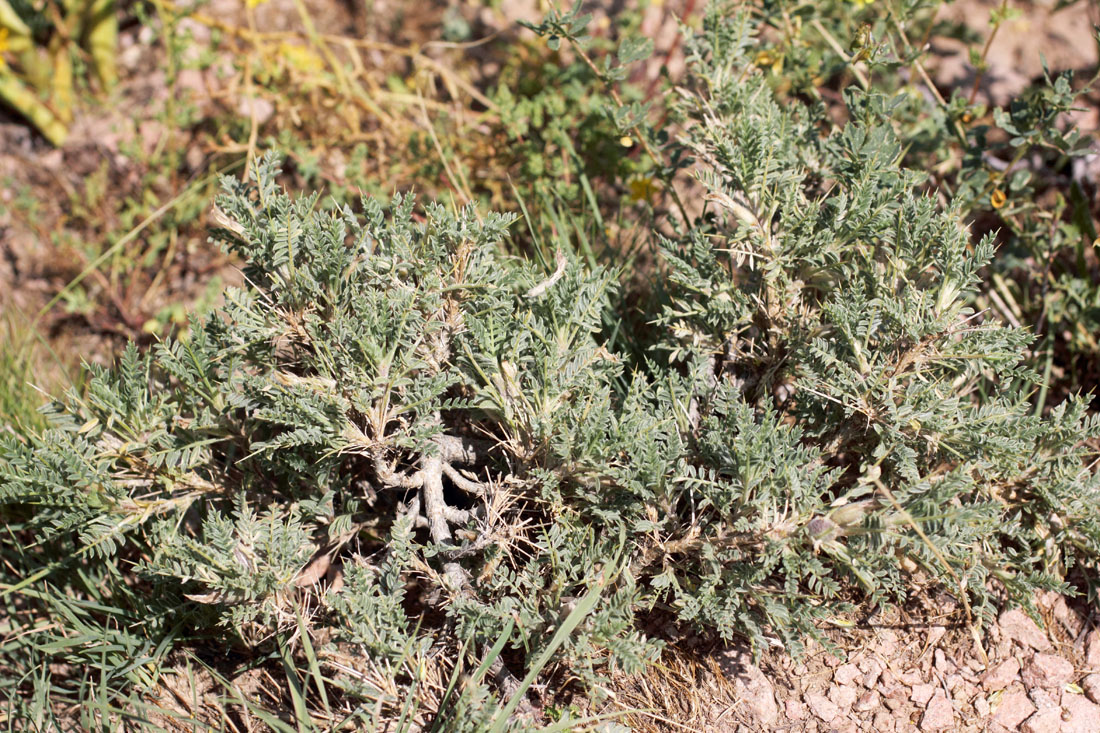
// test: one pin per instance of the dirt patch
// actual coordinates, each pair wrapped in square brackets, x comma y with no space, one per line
[1062,35]
[914,669]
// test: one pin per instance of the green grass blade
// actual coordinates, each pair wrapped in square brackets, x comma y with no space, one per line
[572,621]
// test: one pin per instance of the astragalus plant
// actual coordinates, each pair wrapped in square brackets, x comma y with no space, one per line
[492,487]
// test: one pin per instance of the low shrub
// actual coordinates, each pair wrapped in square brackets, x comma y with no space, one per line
[421,452]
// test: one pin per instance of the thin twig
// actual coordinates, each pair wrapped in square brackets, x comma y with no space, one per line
[979,72]
[841,53]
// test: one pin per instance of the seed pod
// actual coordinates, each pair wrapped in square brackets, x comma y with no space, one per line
[26,102]
[101,40]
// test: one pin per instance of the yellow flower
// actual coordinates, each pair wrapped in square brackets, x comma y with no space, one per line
[626,141]
[864,41]
[4,46]
[998,198]
[301,58]
[642,188]
[254,3]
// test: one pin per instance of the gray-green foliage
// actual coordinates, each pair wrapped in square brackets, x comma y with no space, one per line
[385,390]
[821,414]
[823,291]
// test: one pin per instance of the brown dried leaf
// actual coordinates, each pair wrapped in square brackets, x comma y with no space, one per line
[207,598]
[314,571]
